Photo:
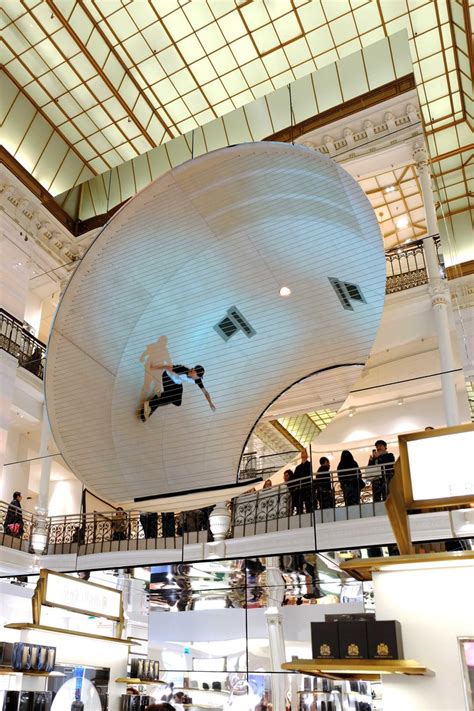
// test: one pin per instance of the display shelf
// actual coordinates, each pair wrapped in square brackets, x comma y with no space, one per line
[362,568]
[144,682]
[194,689]
[71,633]
[363,669]
[14,672]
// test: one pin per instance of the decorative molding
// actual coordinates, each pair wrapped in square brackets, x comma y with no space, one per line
[34,218]
[371,137]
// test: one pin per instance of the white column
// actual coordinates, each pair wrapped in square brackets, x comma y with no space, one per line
[39,536]
[276,639]
[439,292]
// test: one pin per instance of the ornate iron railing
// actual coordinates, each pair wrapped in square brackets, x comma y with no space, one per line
[16,340]
[340,496]
[406,266]
[254,466]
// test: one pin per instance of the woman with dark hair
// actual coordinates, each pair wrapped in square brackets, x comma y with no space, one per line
[350,478]
[163,706]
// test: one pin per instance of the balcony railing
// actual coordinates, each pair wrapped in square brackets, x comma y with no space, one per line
[341,496]
[254,466]
[16,340]
[406,266]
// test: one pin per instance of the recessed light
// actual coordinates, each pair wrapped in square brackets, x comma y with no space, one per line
[285,291]
[390,188]
[351,411]
[401,222]
[400,401]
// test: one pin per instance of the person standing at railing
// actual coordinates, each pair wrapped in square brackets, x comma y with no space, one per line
[385,461]
[13,524]
[350,478]
[34,361]
[300,485]
[324,489]
[119,525]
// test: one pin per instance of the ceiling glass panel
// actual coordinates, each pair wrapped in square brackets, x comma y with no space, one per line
[192,61]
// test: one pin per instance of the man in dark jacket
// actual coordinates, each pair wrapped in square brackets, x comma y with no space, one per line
[385,461]
[301,490]
[13,524]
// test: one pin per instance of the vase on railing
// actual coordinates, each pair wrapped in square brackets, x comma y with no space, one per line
[39,535]
[219,521]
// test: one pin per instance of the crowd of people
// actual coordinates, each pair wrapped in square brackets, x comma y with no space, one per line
[309,493]
[306,493]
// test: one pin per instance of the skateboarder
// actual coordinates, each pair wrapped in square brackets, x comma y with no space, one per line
[172,380]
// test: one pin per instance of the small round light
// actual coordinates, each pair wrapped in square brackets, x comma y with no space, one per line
[402,222]
[285,291]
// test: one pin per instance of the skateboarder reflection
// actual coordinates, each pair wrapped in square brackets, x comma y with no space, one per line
[153,353]
[172,379]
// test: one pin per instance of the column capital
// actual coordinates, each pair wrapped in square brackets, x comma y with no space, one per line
[439,292]
[421,159]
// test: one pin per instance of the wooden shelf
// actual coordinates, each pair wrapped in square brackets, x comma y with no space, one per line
[136,682]
[363,669]
[192,690]
[72,633]
[362,568]
[11,672]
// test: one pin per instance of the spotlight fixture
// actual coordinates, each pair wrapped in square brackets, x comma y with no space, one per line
[351,411]
[401,222]
[390,188]
[285,291]
[400,401]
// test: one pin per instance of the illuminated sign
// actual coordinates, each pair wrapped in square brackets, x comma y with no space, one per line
[81,596]
[436,468]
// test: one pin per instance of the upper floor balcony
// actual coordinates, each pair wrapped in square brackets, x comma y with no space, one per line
[344,510]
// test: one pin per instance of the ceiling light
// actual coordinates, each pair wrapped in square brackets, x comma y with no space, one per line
[390,188]
[285,291]
[400,401]
[351,411]
[407,241]
[402,222]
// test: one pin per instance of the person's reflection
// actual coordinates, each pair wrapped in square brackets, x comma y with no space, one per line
[254,569]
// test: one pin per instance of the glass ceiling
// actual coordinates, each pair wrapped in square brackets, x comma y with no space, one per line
[89,85]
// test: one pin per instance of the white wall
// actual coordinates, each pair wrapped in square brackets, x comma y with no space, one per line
[33,311]
[434,607]
[65,497]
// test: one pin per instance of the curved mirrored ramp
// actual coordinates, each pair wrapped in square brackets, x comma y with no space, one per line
[189,272]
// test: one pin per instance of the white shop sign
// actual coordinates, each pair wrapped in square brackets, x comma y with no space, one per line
[71,593]
[441,467]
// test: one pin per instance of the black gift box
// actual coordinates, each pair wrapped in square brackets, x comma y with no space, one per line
[353,640]
[324,640]
[385,639]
